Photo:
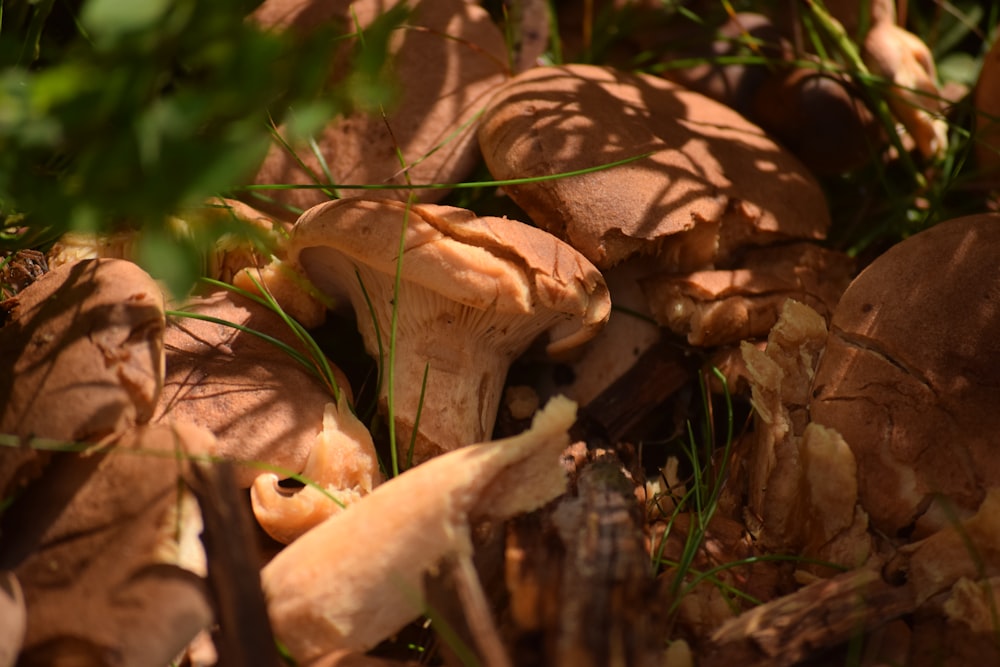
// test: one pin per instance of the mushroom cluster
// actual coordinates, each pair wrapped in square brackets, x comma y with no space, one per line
[474,293]
[166,471]
[714,221]
[875,440]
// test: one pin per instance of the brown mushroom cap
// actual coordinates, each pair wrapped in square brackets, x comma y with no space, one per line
[82,358]
[911,372]
[476,292]
[987,103]
[106,547]
[446,64]
[262,405]
[708,165]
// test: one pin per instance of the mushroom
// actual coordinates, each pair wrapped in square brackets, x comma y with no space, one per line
[263,407]
[899,56]
[986,99]
[719,71]
[357,578]
[906,64]
[818,115]
[106,548]
[702,186]
[911,384]
[80,361]
[712,181]
[342,467]
[446,59]
[475,293]
[240,245]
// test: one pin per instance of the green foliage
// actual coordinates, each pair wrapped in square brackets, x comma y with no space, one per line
[119,113]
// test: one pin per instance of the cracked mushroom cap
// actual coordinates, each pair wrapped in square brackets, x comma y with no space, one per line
[476,292]
[713,181]
[909,375]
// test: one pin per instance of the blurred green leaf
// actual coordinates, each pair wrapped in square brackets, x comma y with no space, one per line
[139,108]
[169,258]
[959,67]
[303,122]
[111,19]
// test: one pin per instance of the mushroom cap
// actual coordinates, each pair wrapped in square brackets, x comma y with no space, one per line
[484,263]
[820,116]
[113,563]
[912,382]
[82,357]
[708,165]
[261,405]
[987,102]
[446,68]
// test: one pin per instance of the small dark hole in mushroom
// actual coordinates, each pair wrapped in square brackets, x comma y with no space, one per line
[905,532]
[290,483]
[893,574]
[563,374]
[867,308]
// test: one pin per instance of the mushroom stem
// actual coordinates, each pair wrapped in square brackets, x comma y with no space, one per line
[465,353]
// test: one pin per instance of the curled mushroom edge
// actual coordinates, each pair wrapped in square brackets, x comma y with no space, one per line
[342,467]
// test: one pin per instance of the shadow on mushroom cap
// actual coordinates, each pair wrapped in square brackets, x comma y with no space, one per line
[263,406]
[447,59]
[708,165]
[82,357]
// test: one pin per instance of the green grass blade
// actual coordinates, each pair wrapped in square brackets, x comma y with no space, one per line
[393,330]
[284,347]
[450,186]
